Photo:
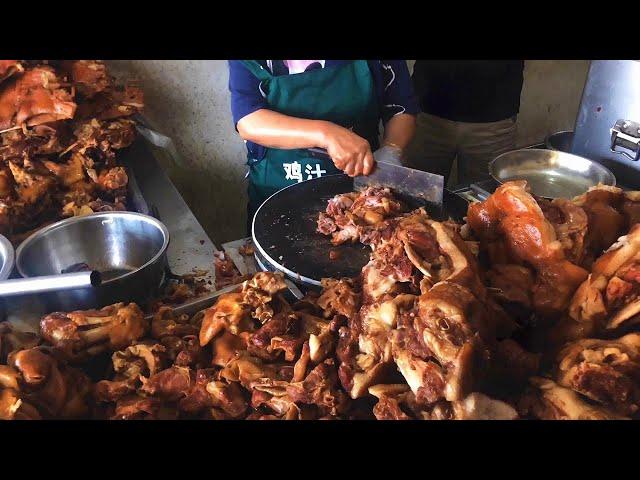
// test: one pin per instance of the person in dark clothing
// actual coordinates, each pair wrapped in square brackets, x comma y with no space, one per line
[283,107]
[468,111]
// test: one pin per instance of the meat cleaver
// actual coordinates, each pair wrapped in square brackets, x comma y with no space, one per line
[407,181]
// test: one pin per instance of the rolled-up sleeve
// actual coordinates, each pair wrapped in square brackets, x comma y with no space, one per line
[246,96]
[398,95]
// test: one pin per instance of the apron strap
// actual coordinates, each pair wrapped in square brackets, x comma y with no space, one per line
[254,67]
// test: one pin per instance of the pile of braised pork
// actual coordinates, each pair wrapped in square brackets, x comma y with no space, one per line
[526,311]
[61,126]
[252,355]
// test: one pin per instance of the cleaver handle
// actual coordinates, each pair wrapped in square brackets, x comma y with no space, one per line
[320,153]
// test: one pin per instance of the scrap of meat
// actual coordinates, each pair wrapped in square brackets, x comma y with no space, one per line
[90,77]
[113,179]
[611,213]
[511,224]
[9,68]
[353,217]
[609,298]
[338,297]
[113,102]
[129,365]
[235,312]
[33,185]
[364,349]
[419,253]
[546,400]
[397,402]
[605,371]
[570,223]
[452,325]
[12,339]
[226,271]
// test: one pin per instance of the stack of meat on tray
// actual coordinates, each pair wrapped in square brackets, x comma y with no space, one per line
[61,126]
[529,310]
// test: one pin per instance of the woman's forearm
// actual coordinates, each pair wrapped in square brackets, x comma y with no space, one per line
[399,130]
[276,130]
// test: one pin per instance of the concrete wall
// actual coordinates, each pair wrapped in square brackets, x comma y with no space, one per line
[189,101]
[550,98]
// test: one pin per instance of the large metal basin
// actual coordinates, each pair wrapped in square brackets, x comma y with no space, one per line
[128,249]
[550,173]
[7,258]
[560,141]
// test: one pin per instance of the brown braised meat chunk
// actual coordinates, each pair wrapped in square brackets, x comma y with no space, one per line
[12,339]
[605,371]
[545,400]
[55,389]
[81,334]
[513,230]
[226,271]
[235,312]
[354,217]
[129,365]
[608,298]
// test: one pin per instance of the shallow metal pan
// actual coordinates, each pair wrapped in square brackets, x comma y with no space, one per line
[550,173]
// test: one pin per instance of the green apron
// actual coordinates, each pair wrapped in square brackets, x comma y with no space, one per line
[343,95]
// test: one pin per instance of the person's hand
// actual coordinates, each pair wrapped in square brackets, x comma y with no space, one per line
[350,152]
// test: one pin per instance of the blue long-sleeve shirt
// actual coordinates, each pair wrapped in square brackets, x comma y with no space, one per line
[393,87]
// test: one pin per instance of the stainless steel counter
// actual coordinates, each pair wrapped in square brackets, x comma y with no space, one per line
[190,246]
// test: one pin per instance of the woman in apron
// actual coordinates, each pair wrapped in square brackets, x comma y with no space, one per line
[283,107]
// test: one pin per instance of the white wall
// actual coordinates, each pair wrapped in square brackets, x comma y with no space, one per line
[189,101]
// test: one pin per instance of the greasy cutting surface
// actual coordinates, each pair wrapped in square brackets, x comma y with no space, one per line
[284,230]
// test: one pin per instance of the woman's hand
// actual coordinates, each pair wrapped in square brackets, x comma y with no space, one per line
[350,152]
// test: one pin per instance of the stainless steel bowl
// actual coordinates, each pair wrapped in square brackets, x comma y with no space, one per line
[561,141]
[128,249]
[550,173]
[7,258]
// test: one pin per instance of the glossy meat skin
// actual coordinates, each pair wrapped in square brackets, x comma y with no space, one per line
[81,334]
[512,218]
[48,387]
[33,98]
